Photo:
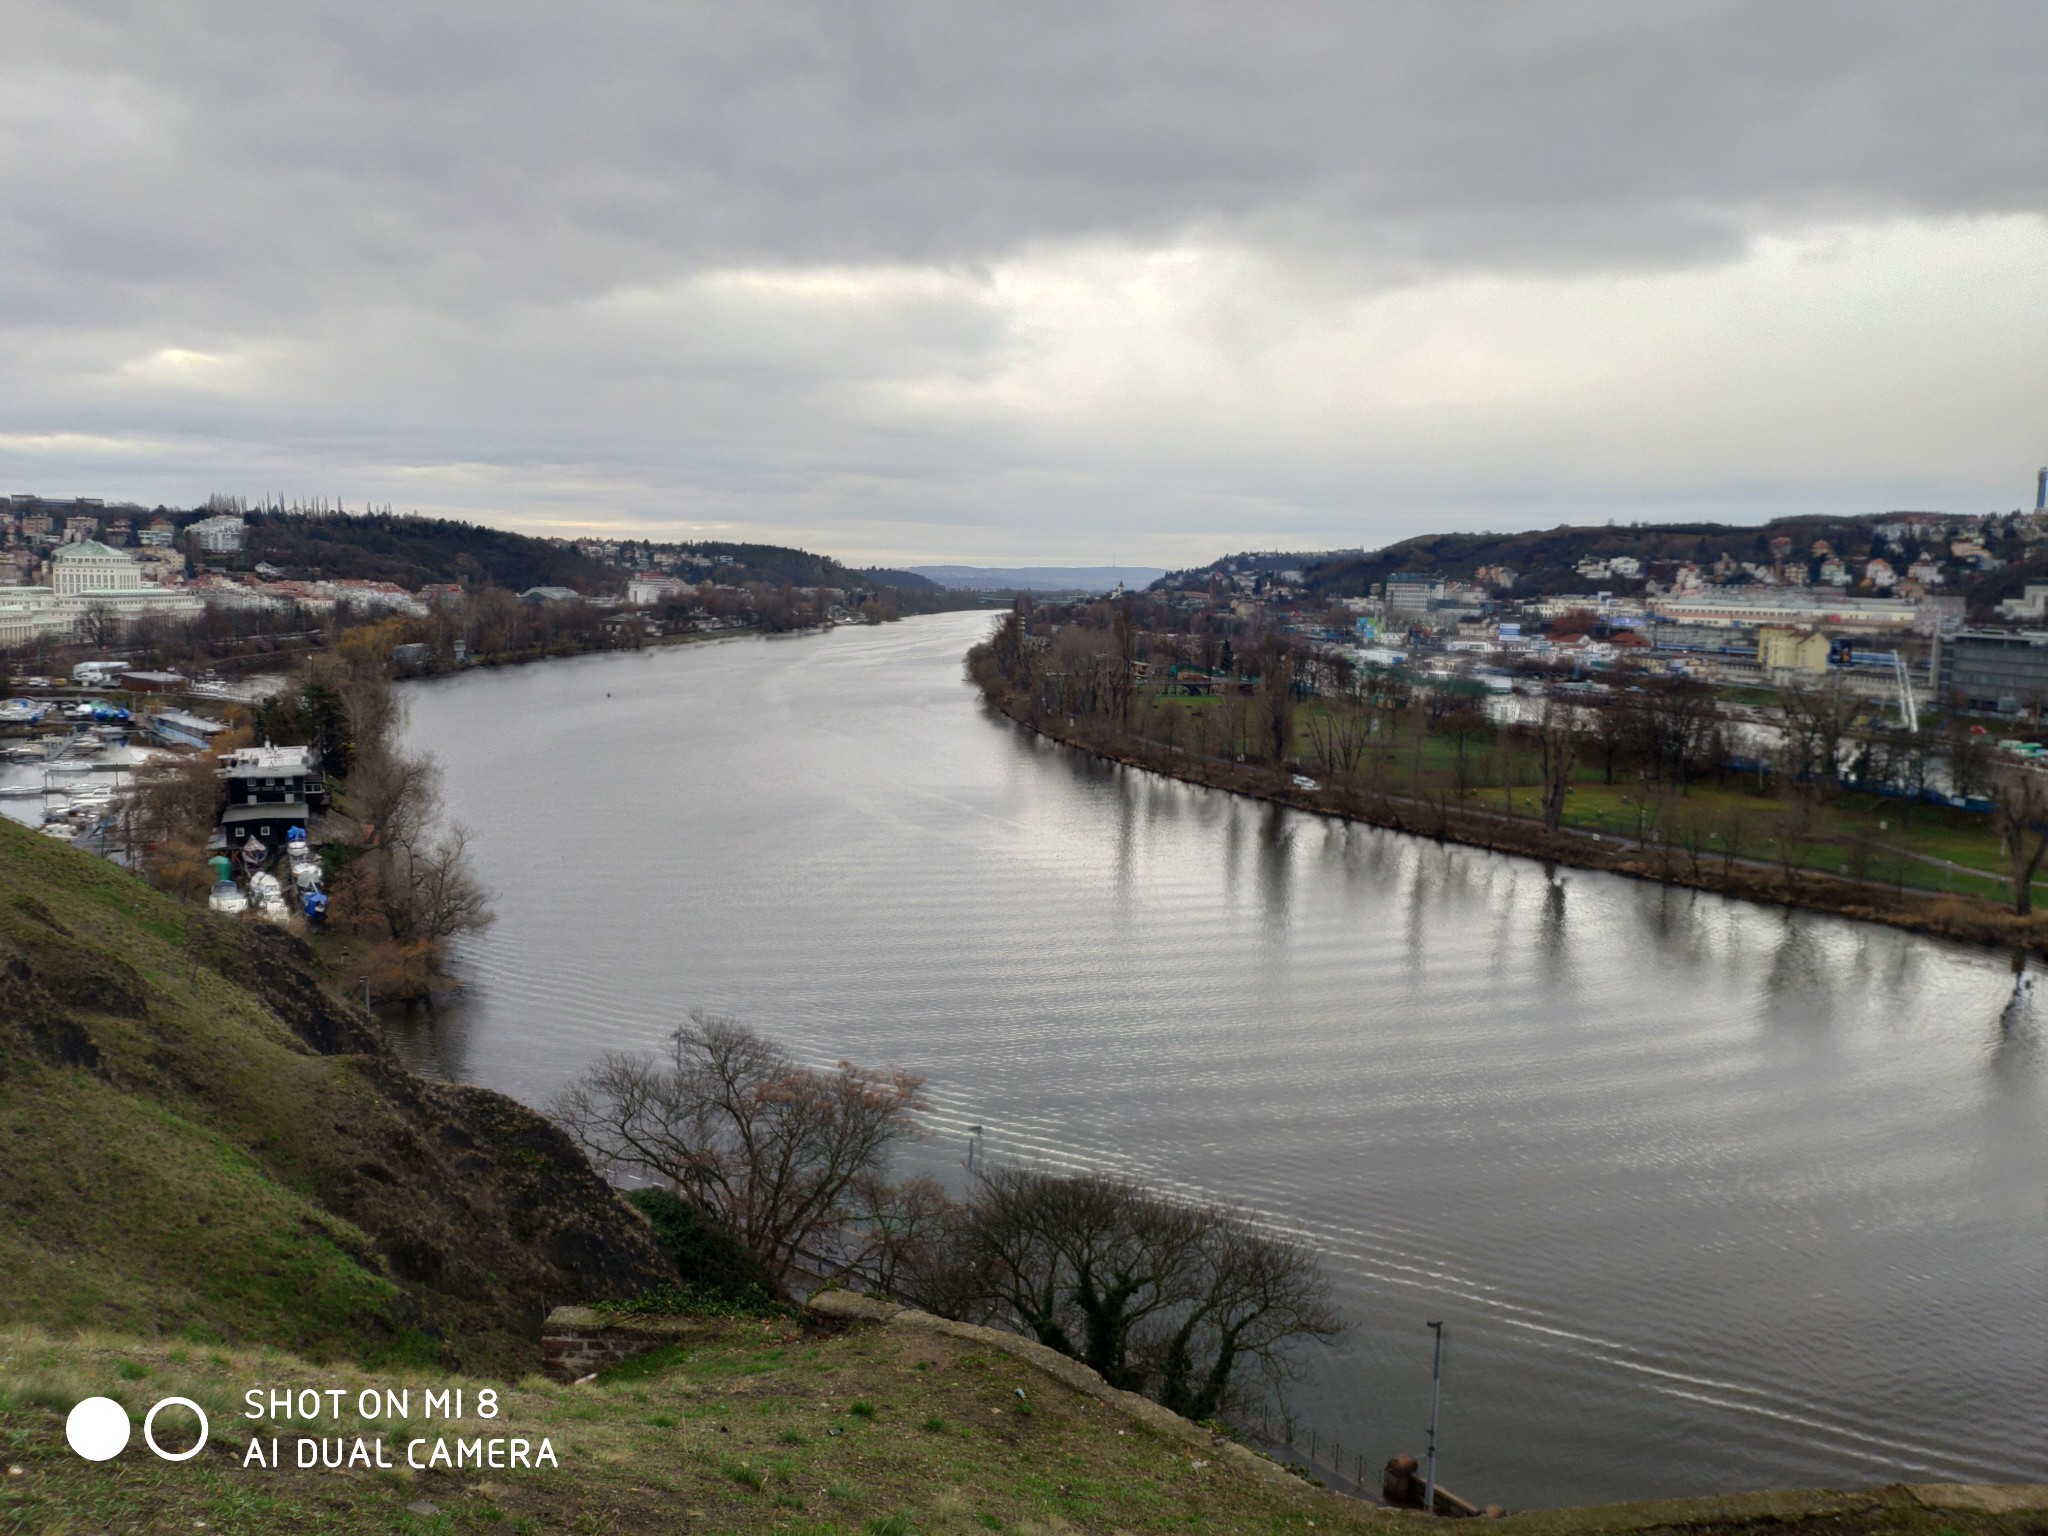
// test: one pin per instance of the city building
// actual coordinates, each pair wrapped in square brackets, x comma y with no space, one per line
[221,535]
[1789,653]
[1993,669]
[1817,610]
[2032,604]
[1411,592]
[648,588]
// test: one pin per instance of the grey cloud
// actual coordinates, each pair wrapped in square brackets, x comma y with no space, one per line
[544,147]
[438,215]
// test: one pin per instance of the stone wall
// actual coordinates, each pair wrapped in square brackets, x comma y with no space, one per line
[576,1342]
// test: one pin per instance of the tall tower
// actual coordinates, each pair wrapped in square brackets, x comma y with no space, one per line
[2041,492]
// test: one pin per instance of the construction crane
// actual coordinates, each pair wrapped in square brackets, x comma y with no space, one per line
[1909,711]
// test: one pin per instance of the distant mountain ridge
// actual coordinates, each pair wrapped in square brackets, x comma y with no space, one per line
[1039,578]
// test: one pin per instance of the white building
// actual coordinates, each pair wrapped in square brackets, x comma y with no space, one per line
[29,613]
[89,566]
[217,535]
[91,577]
[645,590]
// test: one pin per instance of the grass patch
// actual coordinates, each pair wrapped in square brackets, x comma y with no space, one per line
[725,1464]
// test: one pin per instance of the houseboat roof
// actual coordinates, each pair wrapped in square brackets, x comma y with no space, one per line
[268,759]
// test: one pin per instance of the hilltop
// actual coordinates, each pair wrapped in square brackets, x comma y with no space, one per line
[199,1140]
[415,551]
[1545,562]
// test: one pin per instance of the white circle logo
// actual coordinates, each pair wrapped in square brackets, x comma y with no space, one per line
[149,1423]
[97,1429]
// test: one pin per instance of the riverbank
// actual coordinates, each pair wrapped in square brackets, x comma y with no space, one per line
[1952,915]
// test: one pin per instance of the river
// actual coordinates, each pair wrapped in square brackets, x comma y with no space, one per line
[1711,1196]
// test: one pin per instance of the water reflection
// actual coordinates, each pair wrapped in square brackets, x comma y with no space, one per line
[1713,1195]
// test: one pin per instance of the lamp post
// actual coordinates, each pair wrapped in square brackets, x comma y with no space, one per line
[1436,1390]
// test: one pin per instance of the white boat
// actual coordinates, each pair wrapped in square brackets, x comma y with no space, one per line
[227,898]
[58,829]
[306,875]
[70,765]
[21,791]
[264,886]
[22,753]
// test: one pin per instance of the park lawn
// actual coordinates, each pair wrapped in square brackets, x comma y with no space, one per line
[1877,837]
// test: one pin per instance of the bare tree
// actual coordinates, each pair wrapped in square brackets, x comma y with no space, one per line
[1969,757]
[395,795]
[783,1154]
[428,890]
[1257,1296]
[1558,736]
[2019,797]
[1339,735]
[1154,1294]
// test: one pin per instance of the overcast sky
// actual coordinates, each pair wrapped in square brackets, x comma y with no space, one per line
[1029,283]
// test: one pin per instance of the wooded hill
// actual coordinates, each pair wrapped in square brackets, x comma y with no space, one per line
[415,551]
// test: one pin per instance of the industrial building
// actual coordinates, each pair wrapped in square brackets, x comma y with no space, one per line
[1993,669]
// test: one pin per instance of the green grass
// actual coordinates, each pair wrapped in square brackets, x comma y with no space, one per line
[725,1464]
[1876,837]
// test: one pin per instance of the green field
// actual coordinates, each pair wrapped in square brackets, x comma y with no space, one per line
[1869,836]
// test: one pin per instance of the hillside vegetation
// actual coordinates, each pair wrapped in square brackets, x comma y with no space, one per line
[198,1140]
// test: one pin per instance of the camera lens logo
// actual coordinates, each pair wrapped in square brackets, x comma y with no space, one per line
[98,1429]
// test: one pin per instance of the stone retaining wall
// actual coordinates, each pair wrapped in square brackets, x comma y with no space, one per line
[576,1342]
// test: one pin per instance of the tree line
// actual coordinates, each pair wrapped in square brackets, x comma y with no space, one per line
[1140,671]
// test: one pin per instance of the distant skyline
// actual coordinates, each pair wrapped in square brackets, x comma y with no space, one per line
[1144,283]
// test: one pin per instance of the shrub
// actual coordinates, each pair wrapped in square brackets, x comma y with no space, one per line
[710,1257]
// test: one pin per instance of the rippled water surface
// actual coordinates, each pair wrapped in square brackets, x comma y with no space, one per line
[1711,1196]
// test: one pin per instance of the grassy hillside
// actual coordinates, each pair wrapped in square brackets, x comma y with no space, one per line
[749,1426]
[197,1140]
